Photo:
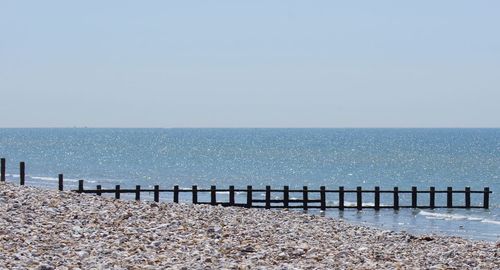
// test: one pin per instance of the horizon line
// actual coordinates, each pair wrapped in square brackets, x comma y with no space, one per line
[249,127]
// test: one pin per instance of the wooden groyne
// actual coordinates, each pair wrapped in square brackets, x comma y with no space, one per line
[304,198]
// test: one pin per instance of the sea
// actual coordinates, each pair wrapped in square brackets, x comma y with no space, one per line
[295,157]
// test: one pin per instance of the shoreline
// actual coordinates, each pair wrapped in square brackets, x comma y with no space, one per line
[45,229]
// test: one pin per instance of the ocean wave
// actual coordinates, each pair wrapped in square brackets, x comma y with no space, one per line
[450,216]
[48,178]
[497,222]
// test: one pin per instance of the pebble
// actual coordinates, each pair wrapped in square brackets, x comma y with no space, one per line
[47,229]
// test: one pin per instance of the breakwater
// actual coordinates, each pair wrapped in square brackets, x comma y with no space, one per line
[281,198]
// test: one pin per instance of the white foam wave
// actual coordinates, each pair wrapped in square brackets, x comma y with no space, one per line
[449,216]
[45,178]
[497,222]
[431,215]
[48,178]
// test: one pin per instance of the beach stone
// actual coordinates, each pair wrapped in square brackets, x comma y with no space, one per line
[43,229]
[45,267]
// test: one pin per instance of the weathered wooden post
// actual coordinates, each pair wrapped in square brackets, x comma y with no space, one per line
[396,198]
[213,195]
[341,198]
[359,198]
[61,182]
[432,197]
[80,186]
[249,197]
[305,197]
[98,188]
[117,192]
[414,197]
[322,197]
[21,173]
[231,195]
[195,194]
[449,197]
[156,193]
[268,197]
[2,170]
[137,192]
[377,198]
[467,197]
[486,198]
[176,194]
[286,196]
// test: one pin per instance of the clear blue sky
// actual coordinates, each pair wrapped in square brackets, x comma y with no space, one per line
[249,63]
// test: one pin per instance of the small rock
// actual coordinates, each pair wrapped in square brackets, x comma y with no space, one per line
[248,249]
[282,256]
[426,238]
[361,249]
[45,267]
[82,254]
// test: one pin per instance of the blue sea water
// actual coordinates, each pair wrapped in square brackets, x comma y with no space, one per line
[277,157]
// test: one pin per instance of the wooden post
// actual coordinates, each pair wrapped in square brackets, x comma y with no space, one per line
[322,197]
[249,196]
[377,198]
[231,195]
[359,197]
[176,194]
[117,192]
[213,195]
[286,196]
[305,197]
[157,193]
[449,197]
[486,198]
[268,197]
[467,197]
[2,170]
[396,198]
[414,197]
[80,186]
[21,173]
[137,192]
[432,197]
[61,182]
[99,187]
[341,198]
[195,194]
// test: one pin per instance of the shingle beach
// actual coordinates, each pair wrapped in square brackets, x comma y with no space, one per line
[45,229]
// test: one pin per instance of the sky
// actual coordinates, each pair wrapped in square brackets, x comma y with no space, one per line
[249,63]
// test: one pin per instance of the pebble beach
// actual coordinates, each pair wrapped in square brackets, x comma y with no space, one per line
[46,229]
